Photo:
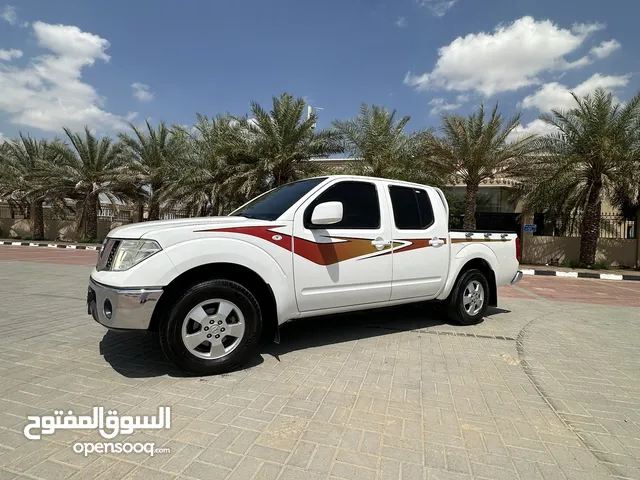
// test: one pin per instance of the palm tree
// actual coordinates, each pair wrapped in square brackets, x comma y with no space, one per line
[379,146]
[151,154]
[473,150]
[19,160]
[206,179]
[591,156]
[281,142]
[84,171]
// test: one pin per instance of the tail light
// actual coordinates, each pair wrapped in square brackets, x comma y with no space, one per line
[518,250]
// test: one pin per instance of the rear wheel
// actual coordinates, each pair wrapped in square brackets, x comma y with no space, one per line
[469,299]
[213,328]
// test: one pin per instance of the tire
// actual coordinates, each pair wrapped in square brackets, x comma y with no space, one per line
[471,312]
[213,328]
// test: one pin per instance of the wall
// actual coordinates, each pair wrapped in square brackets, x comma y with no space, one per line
[53,229]
[540,250]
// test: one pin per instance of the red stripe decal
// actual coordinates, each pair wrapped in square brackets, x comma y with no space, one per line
[322,253]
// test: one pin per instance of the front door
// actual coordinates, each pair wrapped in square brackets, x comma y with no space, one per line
[421,255]
[348,263]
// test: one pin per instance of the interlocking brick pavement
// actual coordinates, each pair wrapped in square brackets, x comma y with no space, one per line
[541,389]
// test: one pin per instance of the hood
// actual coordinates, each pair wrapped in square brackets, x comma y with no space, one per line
[135,231]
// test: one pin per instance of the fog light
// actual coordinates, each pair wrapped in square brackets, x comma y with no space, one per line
[108,309]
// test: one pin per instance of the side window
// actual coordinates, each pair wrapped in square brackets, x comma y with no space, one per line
[411,208]
[361,207]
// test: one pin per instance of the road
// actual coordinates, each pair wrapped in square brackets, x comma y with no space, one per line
[548,386]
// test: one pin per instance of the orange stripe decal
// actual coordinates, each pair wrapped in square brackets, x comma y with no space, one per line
[325,253]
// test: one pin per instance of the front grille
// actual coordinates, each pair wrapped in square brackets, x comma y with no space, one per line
[112,254]
[108,254]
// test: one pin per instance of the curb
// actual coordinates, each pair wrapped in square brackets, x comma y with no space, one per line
[598,276]
[51,245]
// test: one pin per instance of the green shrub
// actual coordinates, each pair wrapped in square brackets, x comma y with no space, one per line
[603,265]
[571,264]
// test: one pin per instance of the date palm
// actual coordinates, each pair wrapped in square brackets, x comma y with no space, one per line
[84,171]
[591,157]
[380,147]
[474,149]
[205,179]
[149,155]
[19,160]
[281,142]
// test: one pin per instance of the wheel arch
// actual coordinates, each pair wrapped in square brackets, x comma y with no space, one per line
[245,276]
[483,266]
[487,270]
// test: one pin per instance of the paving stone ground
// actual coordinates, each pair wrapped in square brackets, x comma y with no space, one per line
[547,387]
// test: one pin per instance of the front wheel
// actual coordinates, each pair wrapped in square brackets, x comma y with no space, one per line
[213,328]
[468,301]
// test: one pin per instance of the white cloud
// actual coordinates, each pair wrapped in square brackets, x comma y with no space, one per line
[538,127]
[402,22]
[438,7]
[581,62]
[441,105]
[9,15]
[587,28]
[131,116]
[462,98]
[555,95]
[8,55]
[509,58]
[2,139]
[49,92]
[606,48]
[141,92]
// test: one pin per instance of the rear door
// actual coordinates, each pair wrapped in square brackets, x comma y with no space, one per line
[348,263]
[421,255]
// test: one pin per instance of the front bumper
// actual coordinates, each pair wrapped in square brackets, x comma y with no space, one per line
[517,277]
[121,308]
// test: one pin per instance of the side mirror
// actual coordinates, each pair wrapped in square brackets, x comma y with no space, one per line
[327,213]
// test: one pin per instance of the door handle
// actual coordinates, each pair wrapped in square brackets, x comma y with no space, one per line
[380,243]
[435,242]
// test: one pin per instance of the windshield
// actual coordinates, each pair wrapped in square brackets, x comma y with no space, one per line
[274,203]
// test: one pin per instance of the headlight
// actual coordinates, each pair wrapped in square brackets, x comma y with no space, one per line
[132,252]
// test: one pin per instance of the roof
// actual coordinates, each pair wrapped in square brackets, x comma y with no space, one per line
[376,179]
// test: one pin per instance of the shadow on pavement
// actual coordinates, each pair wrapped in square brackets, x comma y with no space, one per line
[139,355]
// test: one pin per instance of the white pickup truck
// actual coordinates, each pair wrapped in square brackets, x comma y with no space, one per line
[213,286]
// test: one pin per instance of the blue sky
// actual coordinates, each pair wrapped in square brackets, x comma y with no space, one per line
[105,63]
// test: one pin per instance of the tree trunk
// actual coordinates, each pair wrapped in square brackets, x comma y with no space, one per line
[154,210]
[470,209]
[591,225]
[37,215]
[154,201]
[141,211]
[91,208]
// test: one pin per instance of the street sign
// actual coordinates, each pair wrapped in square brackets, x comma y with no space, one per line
[530,228]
